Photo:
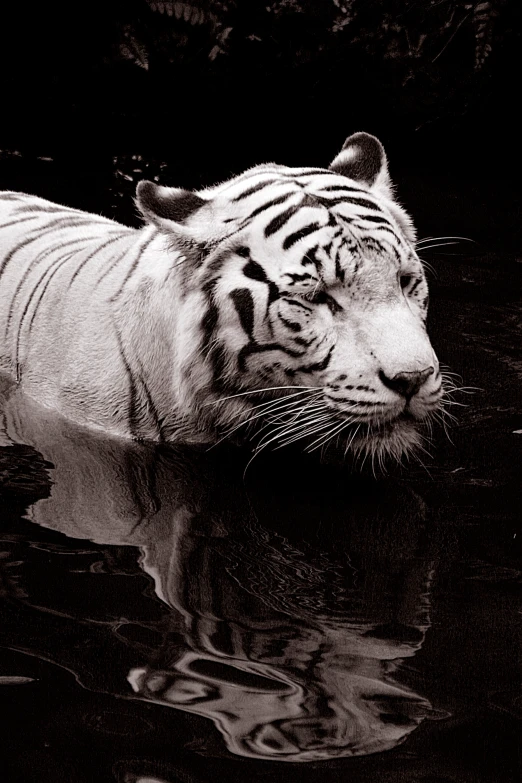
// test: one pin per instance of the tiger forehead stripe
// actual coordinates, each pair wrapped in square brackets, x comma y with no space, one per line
[300,234]
[254,189]
[272,203]
[280,220]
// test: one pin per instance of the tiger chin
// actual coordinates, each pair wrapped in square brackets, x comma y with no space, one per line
[285,305]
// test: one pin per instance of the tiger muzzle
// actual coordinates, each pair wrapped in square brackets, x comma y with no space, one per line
[407,384]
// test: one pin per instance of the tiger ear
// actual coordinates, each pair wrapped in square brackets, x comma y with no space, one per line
[167,208]
[363,159]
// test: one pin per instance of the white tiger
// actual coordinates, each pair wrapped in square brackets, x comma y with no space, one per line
[285,301]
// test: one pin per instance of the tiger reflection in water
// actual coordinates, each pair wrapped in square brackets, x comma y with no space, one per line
[284,670]
[288,649]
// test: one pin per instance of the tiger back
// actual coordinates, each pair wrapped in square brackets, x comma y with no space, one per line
[286,301]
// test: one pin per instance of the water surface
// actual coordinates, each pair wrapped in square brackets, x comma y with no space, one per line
[166,617]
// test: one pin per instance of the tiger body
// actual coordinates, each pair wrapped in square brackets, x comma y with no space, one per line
[69,318]
[288,296]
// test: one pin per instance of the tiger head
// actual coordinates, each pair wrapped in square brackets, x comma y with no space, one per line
[313,303]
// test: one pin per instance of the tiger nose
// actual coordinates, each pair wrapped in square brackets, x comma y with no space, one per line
[406,383]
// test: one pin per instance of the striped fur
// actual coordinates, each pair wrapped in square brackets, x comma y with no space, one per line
[287,302]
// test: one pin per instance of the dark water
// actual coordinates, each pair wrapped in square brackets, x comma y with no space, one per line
[166,618]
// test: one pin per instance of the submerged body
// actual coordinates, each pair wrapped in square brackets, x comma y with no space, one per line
[287,298]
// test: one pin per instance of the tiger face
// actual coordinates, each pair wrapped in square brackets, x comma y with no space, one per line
[314,302]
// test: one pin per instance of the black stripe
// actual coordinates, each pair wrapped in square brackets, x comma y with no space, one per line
[150,402]
[295,173]
[339,271]
[292,325]
[280,220]
[357,202]
[416,284]
[386,246]
[42,231]
[295,278]
[132,405]
[91,255]
[305,343]
[244,252]
[310,257]
[374,219]
[50,207]
[297,235]
[48,269]
[47,209]
[299,304]
[17,220]
[35,261]
[348,220]
[211,317]
[362,202]
[111,266]
[15,250]
[372,242]
[214,351]
[254,189]
[57,266]
[273,292]
[8,196]
[244,304]
[252,348]
[345,187]
[269,204]
[322,365]
[66,222]
[218,357]
[133,266]
[255,271]
[216,264]
[380,228]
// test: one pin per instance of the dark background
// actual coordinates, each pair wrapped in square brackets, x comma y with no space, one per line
[230,84]
[97,95]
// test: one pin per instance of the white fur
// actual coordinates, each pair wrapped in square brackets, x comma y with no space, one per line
[106,324]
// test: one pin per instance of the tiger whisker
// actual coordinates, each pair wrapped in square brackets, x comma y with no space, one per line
[284,399]
[328,437]
[291,424]
[438,244]
[259,391]
[354,435]
[301,419]
[279,409]
[280,418]
[304,432]
[290,429]
[245,422]
[291,436]
[464,389]
[296,406]
[436,239]
[276,407]
[337,427]
[446,413]
[441,417]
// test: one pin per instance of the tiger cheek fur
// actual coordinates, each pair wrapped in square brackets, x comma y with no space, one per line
[290,298]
